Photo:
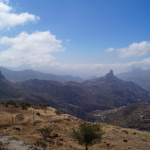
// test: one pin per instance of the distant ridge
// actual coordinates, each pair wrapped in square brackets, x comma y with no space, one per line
[16,76]
[1,76]
[139,76]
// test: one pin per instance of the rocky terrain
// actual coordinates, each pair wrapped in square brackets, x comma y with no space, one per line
[115,137]
[11,144]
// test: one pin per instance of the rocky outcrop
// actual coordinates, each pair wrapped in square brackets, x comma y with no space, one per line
[10,144]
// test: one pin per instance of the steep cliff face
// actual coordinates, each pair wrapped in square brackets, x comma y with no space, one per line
[1,76]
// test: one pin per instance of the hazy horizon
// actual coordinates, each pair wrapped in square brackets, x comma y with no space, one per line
[80,38]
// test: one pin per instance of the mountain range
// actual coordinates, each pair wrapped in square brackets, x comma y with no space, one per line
[102,93]
[97,94]
[138,76]
[16,76]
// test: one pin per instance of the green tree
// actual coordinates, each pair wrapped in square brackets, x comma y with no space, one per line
[87,134]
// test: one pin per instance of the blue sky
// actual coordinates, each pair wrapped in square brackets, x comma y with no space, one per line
[77,37]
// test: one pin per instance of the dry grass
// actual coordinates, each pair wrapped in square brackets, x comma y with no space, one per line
[115,138]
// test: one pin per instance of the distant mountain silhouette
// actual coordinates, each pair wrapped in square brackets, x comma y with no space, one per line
[16,76]
[98,94]
[139,76]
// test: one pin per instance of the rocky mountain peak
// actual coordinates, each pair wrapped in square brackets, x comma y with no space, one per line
[111,78]
[1,76]
[110,75]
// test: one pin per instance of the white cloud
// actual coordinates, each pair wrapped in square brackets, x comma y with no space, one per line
[110,49]
[135,49]
[95,69]
[9,19]
[36,51]
[4,1]
[32,49]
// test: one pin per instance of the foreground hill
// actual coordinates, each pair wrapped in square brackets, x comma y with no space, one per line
[115,138]
[98,94]
[16,76]
[139,76]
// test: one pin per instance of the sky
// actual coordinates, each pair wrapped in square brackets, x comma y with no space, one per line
[76,37]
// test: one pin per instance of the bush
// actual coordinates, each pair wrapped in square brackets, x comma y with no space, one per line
[87,134]
[40,143]
[58,112]
[20,117]
[44,105]
[11,102]
[25,106]
[45,132]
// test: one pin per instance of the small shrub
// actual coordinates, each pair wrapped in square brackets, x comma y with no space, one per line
[20,117]
[24,107]
[40,143]
[58,112]
[44,105]
[45,132]
[11,102]
[6,105]
[27,104]
[16,138]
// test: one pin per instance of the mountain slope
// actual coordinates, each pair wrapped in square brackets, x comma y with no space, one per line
[16,76]
[139,76]
[122,92]
[134,116]
[98,94]
[8,90]
[115,138]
